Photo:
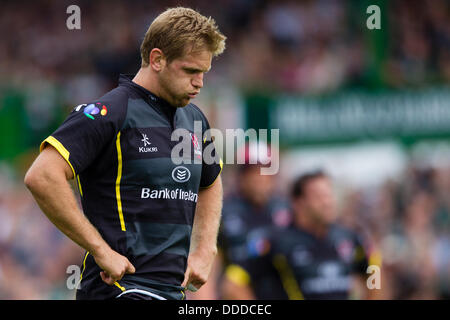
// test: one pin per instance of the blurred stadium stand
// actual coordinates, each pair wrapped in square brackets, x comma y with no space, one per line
[370,106]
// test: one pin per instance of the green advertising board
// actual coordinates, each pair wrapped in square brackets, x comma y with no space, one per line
[353,116]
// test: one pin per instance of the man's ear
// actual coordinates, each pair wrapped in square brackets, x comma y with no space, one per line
[157,59]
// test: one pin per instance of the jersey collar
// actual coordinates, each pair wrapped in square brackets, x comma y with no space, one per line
[149,97]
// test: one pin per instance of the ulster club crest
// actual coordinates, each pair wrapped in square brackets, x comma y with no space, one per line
[197,147]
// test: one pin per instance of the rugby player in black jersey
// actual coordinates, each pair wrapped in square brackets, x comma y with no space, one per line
[254,204]
[149,226]
[314,258]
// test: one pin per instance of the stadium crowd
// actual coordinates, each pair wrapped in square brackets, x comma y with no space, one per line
[283,45]
[305,47]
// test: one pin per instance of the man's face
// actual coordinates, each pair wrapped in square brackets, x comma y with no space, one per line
[182,78]
[318,201]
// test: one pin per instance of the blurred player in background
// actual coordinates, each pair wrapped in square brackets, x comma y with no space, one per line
[254,204]
[314,258]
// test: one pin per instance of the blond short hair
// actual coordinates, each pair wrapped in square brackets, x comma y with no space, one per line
[178,29]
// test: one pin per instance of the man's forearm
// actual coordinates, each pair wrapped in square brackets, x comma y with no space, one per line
[203,247]
[207,220]
[55,197]
[68,218]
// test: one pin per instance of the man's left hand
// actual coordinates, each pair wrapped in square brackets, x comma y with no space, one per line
[198,270]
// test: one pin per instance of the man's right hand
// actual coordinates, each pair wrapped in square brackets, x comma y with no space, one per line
[114,266]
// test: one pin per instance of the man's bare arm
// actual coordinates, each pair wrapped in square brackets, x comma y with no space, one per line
[204,235]
[47,181]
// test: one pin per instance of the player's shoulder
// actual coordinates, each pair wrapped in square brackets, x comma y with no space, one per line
[110,107]
[195,109]
[288,234]
[116,98]
[272,233]
[279,209]
[196,112]
[340,232]
[284,238]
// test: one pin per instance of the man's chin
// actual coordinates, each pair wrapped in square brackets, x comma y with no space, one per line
[183,103]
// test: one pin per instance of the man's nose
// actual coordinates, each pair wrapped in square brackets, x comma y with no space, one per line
[197,81]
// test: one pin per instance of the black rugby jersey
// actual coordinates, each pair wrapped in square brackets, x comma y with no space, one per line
[240,217]
[297,265]
[119,148]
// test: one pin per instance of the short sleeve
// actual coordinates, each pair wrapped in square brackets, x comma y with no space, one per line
[84,133]
[211,162]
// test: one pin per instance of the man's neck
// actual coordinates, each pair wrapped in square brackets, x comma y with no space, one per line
[145,79]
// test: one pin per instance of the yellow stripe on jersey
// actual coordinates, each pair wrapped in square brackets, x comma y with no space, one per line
[82,271]
[119,177]
[287,278]
[119,286]
[84,265]
[79,185]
